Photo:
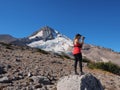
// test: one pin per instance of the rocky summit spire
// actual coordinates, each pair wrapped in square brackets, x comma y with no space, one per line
[45,33]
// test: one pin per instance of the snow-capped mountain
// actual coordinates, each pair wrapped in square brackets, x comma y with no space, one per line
[49,39]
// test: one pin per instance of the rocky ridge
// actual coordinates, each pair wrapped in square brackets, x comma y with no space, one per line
[25,68]
[7,38]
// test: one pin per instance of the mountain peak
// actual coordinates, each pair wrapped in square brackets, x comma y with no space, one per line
[47,28]
[46,33]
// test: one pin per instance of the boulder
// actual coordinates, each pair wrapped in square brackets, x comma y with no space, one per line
[2,70]
[41,79]
[5,80]
[76,82]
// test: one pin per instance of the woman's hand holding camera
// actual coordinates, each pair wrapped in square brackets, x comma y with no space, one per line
[83,37]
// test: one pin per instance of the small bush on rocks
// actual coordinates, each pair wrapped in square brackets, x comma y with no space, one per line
[86,60]
[108,66]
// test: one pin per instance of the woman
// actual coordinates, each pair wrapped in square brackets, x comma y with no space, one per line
[78,43]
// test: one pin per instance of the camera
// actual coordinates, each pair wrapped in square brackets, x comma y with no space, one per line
[83,37]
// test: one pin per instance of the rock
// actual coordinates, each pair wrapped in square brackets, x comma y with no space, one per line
[5,80]
[38,86]
[2,71]
[18,60]
[29,74]
[8,67]
[51,87]
[41,79]
[76,82]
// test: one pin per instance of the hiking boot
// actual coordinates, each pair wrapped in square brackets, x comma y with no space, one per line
[82,73]
[76,73]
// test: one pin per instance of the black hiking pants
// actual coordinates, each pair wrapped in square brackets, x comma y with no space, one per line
[78,58]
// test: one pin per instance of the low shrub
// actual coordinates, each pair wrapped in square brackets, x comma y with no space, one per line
[86,60]
[108,66]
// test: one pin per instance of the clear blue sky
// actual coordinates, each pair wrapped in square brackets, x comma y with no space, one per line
[97,20]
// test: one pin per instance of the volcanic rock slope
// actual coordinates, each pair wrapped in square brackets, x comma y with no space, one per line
[25,68]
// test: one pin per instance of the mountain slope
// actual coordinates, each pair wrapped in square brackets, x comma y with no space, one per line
[100,54]
[20,68]
[6,38]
